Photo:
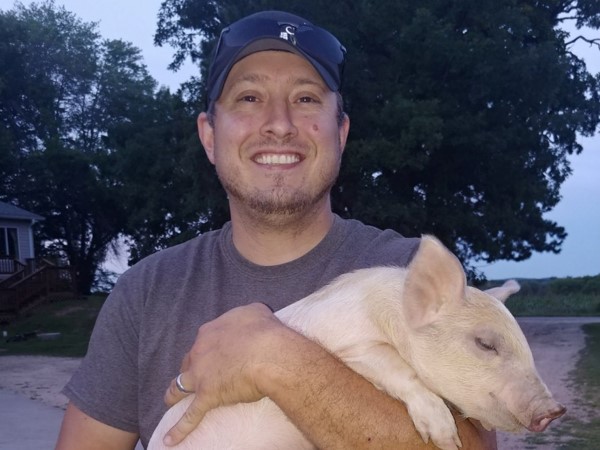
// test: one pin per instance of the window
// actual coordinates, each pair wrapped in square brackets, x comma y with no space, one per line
[9,243]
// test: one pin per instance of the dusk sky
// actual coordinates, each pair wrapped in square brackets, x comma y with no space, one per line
[578,211]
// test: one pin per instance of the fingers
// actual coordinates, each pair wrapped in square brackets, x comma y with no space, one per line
[174,394]
[223,363]
[188,422]
[185,364]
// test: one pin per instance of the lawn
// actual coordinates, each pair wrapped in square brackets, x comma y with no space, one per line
[73,319]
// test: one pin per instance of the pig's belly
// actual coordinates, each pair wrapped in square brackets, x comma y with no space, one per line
[245,426]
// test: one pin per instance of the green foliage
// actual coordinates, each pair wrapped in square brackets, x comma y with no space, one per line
[580,285]
[554,305]
[579,296]
[463,113]
[561,286]
[72,107]
[36,67]
[169,186]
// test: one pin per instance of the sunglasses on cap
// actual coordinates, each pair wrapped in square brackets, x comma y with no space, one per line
[275,30]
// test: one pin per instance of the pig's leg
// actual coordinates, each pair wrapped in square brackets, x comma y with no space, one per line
[384,367]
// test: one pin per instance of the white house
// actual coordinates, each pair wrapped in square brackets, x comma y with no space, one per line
[16,237]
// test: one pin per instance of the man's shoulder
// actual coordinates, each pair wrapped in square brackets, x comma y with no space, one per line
[375,246]
[201,247]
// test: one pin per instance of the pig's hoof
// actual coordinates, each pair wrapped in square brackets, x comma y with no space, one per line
[446,441]
[448,444]
[433,419]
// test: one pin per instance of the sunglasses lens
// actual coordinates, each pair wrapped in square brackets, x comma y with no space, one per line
[314,41]
[240,35]
[320,44]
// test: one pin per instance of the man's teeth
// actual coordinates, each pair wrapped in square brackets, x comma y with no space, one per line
[277,159]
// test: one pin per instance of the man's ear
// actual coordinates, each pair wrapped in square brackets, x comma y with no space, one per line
[344,129]
[207,136]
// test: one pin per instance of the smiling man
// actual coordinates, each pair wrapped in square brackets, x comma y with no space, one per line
[186,319]
[276,143]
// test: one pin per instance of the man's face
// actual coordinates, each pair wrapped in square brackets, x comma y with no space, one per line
[276,141]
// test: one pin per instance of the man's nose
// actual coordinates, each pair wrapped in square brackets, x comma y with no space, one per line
[279,120]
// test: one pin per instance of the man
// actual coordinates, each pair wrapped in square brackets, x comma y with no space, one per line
[275,131]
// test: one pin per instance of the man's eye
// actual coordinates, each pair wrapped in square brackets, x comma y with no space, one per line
[307,99]
[249,98]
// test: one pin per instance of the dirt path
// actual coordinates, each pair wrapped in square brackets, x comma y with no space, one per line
[38,377]
[555,342]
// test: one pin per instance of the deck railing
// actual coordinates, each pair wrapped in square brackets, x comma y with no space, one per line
[23,290]
[10,265]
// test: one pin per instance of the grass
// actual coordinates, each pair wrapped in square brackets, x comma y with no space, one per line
[73,319]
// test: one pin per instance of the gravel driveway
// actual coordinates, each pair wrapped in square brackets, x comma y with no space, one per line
[555,343]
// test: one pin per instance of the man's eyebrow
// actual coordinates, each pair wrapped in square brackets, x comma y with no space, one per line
[263,78]
[306,81]
[250,78]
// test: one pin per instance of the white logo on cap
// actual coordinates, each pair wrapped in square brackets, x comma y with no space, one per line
[288,33]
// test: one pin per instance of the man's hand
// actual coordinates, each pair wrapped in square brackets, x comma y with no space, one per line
[222,365]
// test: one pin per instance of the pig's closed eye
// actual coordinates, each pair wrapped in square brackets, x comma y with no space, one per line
[486,346]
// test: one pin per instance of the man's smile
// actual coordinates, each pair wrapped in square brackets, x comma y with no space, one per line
[272,159]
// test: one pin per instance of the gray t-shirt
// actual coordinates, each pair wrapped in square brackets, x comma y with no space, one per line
[151,318]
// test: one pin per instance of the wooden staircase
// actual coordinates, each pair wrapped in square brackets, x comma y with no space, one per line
[33,284]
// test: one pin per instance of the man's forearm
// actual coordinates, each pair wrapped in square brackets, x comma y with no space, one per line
[81,432]
[247,354]
[337,408]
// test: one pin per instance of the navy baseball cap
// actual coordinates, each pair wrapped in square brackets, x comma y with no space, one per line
[276,30]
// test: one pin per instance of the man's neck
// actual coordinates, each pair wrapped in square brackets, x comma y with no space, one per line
[271,242]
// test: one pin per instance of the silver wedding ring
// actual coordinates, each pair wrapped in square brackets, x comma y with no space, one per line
[180,386]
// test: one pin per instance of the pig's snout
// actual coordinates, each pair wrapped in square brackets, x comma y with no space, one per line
[540,422]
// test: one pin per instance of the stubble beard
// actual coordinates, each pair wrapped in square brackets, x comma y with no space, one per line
[281,203]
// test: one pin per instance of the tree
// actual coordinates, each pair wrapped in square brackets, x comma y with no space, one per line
[65,94]
[170,189]
[27,90]
[463,112]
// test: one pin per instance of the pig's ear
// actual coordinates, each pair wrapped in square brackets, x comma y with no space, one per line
[509,288]
[435,281]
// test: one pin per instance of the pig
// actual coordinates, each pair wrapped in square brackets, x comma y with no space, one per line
[420,334]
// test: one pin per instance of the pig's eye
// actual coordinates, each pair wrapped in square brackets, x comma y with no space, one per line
[486,346]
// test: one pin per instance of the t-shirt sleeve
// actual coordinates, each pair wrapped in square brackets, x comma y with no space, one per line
[105,385]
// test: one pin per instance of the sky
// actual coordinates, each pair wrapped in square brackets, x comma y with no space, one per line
[578,211]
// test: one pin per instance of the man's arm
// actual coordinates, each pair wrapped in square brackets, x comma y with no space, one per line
[81,432]
[248,353]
